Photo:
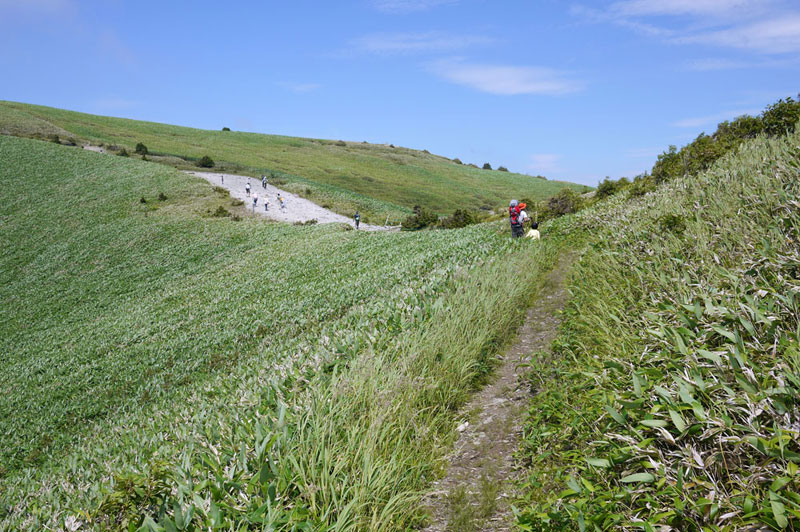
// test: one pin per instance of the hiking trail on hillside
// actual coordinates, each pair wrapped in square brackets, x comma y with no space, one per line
[297,209]
[478,486]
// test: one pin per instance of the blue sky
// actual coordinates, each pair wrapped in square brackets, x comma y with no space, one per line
[574,91]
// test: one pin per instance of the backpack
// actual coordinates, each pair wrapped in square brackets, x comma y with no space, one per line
[516,220]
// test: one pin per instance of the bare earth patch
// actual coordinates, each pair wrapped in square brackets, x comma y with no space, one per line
[297,209]
[476,490]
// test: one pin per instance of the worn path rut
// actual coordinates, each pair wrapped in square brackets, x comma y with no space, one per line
[476,491]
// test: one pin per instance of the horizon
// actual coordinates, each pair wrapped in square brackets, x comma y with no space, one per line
[619,82]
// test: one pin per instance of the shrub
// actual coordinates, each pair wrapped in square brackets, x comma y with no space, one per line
[54,138]
[566,201]
[206,162]
[123,153]
[221,212]
[420,219]
[341,143]
[642,185]
[226,129]
[487,166]
[472,165]
[141,149]
[162,196]
[459,218]
[142,200]
[502,169]
[780,118]
[457,161]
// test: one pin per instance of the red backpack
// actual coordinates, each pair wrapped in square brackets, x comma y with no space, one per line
[513,213]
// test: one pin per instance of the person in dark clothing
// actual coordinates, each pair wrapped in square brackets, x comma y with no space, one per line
[357,219]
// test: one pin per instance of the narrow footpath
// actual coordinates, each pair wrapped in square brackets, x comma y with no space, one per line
[476,491]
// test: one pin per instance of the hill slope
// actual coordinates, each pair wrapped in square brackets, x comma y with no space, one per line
[672,398]
[379,180]
[151,348]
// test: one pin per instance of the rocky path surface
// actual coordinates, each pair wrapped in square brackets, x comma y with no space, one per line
[478,486]
[296,208]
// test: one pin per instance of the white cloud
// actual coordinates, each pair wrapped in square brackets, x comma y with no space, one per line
[507,80]
[544,163]
[713,119]
[407,43]
[710,64]
[634,8]
[727,23]
[774,36]
[408,6]
[299,88]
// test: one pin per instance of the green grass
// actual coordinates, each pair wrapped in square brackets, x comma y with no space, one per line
[160,361]
[672,396]
[378,179]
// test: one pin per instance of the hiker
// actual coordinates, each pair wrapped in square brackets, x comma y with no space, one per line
[247,188]
[222,177]
[266,204]
[533,233]
[515,219]
[255,201]
[264,181]
[357,219]
[283,204]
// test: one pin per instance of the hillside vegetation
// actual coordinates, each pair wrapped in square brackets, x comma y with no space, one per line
[379,180]
[672,397]
[169,369]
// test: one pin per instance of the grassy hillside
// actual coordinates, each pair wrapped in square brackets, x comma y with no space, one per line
[672,398]
[164,366]
[380,180]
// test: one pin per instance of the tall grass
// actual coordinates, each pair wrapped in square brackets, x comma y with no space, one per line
[190,371]
[674,398]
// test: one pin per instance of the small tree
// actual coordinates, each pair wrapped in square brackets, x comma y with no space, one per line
[226,129]
[457,161]
[502,169]
[420,219]
[141,149]
[206,162]
[487,166]
[123,153]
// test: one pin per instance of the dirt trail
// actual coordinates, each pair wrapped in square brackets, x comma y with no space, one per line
[478,486]
[297,209]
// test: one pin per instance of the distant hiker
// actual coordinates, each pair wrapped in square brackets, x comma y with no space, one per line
[515,219]
[264,181]
[247,189]
[255,201]
[357,219]
[533,233]
[222,177]
[283,204]
[266,204]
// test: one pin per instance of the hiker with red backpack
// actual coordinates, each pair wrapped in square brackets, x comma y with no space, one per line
[516,217]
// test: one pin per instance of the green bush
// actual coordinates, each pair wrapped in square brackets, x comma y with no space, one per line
[141,149]
[487,166]
[419,220]
[226,129]
[206,162]
[566,201]
[123,153]
[459,218]
[502,169]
